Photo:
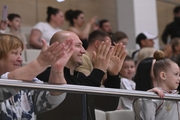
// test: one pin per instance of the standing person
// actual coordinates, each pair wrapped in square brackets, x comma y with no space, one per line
[76,21]
[127,73]
[105,25]
[54,21]
[173,28]
[18,104]
[14,24]
[166,73]
[72,106]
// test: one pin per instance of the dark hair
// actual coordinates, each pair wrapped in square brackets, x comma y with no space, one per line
[162,63]
[174,42]
[11,17]
[118,36]
[97,35]
[140,37]
[128,58]
[51,11]
[142,77]
[101,22]
[72,14]
[176,9]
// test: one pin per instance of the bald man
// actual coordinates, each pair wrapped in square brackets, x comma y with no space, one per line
[72,106]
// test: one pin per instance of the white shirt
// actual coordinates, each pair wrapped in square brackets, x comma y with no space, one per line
[47,30]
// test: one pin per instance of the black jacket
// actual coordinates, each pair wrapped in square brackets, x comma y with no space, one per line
[72,108]
[172,29]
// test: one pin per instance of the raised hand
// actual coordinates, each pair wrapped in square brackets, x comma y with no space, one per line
[102,57]
[117,59]
[51,54]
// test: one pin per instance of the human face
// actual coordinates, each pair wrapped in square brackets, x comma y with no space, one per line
[128,69]
[124,41]
[148,43]
[80,20]
[76,58]
[12,61]
[15,23]
[58,18]
[172,77]
[107,27]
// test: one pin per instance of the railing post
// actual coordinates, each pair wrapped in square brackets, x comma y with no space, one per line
[85,106]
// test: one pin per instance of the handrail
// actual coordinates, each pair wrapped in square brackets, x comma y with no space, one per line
[170,2]
[85,89]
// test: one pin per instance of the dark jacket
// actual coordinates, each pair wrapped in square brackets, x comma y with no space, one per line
[72,108]
[172,29]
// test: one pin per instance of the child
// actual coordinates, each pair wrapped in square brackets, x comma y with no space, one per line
[127,73]
[166,73]
[14,24]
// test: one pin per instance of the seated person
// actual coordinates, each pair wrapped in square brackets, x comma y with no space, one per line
[72,106]
[23,103]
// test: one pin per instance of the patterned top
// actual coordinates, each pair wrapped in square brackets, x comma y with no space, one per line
[24,104]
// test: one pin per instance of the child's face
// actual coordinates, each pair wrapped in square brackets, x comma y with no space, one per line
[15,23]
[172,77]
[128,69]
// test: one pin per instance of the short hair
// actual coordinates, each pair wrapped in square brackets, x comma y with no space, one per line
[118,36]
[97,35]
[176,9]
[101,22]
[142,77]
[7,43]
[72,14]
[51,11]
[174,42]
[11,16]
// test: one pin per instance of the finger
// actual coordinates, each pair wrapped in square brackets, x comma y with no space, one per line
[44,44]
[69,45]
[123,56]
[100,48]
[119,50]
[115,49]
[94,55]
[110,53]
[106,48]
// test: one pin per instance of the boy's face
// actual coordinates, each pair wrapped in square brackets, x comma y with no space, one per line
[15,23]
[128,69]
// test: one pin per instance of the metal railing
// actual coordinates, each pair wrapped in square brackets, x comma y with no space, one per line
[85,89]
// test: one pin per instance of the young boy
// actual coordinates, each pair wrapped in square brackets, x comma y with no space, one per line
[127,73]
[14,24]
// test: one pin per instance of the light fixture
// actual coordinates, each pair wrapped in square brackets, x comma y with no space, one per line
[60,0]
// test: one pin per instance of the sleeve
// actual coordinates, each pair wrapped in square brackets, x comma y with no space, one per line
[148,110]
[6,93]
[44,101]
[126,84]
[39,26]
[112,81]
[94,79]
[165,34]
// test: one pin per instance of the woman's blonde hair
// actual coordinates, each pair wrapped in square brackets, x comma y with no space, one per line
[7,43]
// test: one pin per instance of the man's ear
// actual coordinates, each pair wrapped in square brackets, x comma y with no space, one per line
[143,42]
[163,75]
[97,43]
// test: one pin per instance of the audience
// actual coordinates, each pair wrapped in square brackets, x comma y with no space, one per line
[127,73]
[14,24]
[105,25]
[166,73]
[76,21]
[45,30]
[120,37]
[175,45]
[71,108]
[144,39]
[172,29]
[145,53]
[23,103]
